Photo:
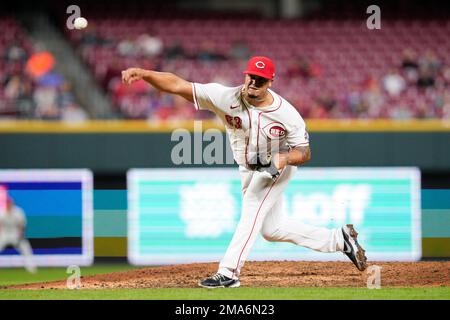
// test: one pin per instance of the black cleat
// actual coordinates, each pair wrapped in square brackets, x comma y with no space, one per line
[219,281]
[352,249]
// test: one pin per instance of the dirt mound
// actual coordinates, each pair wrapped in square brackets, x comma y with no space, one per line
[269,274]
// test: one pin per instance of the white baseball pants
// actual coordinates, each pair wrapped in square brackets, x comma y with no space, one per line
[261,213]
[24,248]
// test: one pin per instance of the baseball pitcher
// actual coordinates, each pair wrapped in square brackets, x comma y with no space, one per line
[269,140]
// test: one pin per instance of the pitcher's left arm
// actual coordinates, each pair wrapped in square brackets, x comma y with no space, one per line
[295,157]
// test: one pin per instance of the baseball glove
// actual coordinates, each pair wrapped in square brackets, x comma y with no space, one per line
[263,163]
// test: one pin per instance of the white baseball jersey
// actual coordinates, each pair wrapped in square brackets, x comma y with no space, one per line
[11,224]
[252,129]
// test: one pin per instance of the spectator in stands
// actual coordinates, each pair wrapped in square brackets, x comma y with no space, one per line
[113,71]
[353,99]
[40,63]
[318,111]
[73,113]
[149,45]
[446,106]
[425,78]
[15,52]
[13,87]
[134,102]
[393,83]
[9,95]
[91,37]
[446,78]
[135,106]
[429,68]
[430,62]
[325,105]
[44,98]
[239,50]
[29,87]
[303,67]
[400,111]
[298,67]
[388,95]
[373,98]
[409,60]
[208,52]
[117,91]
[47,95]
[65,96]
[18,92]
[421,111]
[410,66]
[70,111]
[175,108]
[127,48]
[175,51]
[24,101]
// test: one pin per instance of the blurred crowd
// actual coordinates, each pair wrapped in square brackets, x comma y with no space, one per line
[416,88]
[31,88]
[140,101]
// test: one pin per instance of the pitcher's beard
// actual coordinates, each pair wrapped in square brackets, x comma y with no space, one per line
[252,96]
[255,98]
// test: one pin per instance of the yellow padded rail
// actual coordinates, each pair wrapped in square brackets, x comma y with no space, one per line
[140,126]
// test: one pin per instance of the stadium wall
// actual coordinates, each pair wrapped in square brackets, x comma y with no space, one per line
[111,147]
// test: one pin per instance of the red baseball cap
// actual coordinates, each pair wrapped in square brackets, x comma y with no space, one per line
[261,66]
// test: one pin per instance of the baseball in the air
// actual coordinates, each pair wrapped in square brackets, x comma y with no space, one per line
[80,23]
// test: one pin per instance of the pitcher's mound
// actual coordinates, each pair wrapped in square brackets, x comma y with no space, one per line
[269,274]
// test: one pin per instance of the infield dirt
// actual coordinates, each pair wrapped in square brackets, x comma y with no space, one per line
[269,274]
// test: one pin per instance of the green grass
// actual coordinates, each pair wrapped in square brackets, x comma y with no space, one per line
[13,276]
[235,294]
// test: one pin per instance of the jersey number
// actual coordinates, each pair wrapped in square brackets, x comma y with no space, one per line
[234,122]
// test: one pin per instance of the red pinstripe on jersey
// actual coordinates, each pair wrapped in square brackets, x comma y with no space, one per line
[259,119]
[249,128]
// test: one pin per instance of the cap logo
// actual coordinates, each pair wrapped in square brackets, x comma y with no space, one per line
[260,65]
